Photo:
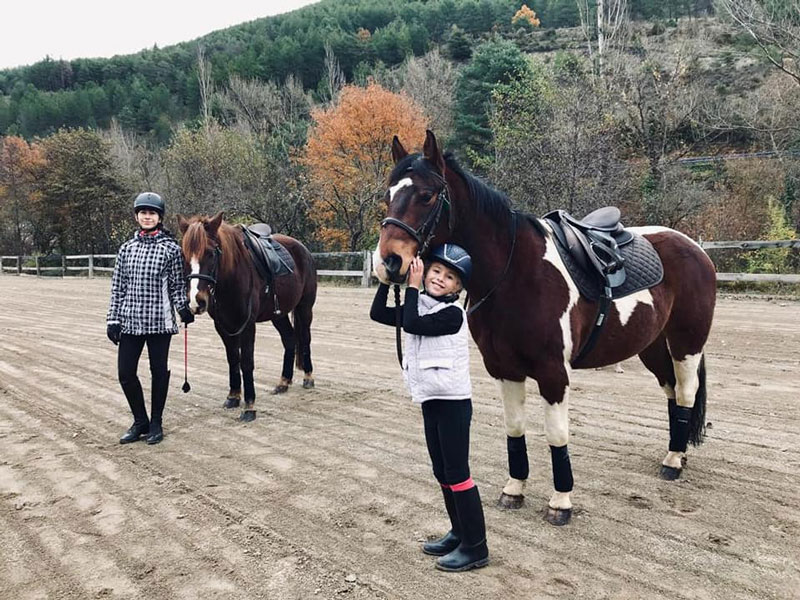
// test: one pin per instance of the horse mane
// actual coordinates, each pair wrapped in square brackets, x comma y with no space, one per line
[196,241]
[490,201]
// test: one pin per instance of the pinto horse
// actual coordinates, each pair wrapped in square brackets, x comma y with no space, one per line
[224,281]
[530,321]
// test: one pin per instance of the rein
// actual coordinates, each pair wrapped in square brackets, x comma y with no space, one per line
[211,278]
[477,305]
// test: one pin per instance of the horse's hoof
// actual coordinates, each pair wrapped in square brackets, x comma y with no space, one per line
[280,389]
[232,402]
[308,384]
[511,502]
[558,516]
[669,473]
[247,416]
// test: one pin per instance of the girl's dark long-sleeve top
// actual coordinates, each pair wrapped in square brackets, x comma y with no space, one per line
[443,322]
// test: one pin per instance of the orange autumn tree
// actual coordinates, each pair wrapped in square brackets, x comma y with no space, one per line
[19,162]
[526,15]
[348,155]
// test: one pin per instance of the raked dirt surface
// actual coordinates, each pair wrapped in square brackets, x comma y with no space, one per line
[329,494]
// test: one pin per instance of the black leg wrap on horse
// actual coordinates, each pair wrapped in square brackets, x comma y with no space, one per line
[517,457]
[679,417]
[562,468]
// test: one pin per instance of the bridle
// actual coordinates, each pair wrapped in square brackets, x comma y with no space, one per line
[211,278]
[425,232]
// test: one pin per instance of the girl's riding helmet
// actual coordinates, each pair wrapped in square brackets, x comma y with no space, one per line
[149,200]
[454,257]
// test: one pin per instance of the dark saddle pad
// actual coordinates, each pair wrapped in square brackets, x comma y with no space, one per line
[270,258]
[598,251]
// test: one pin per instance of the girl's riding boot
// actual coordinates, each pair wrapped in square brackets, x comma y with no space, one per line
[158,400]
[452,538]
[133,394]
[472,553]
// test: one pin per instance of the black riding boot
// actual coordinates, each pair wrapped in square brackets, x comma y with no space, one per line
[141,424]
[158,400]
[472,553]
[451,539]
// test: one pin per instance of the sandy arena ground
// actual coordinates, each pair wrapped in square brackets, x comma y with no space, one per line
[329,493]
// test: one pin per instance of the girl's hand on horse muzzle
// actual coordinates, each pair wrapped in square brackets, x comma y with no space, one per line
[114,332]
[186,315]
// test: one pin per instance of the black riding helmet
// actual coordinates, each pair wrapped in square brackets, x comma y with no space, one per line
[454,257]
[149,200]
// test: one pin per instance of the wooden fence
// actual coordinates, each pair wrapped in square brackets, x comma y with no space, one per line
[21,264]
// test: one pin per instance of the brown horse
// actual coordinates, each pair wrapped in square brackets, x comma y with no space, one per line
[529,319]
[224,281]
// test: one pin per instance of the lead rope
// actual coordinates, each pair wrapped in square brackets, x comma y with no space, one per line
[398,324]
[186,387]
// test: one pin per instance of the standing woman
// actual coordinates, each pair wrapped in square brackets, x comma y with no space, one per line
[146,289]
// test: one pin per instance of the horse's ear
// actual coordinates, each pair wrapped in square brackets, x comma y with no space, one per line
[213,225]
[398,152]
[183,224]
[431,151]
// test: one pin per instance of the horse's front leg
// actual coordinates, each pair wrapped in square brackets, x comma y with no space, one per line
[287,333]
[234,376]
[513,394]
[247,343]
[555,398]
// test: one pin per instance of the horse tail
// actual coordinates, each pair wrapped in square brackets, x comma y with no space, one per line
[697,420]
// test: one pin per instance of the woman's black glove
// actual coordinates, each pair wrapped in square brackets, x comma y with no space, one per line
[114,332]
[186,315]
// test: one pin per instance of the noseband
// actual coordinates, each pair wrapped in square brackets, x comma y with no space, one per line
[211,277]
[425,232]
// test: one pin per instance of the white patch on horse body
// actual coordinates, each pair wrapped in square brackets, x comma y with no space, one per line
[648,229]
[552,256]
[513,395]
[673,459]
[669,391]
[626,306]
[686,379]
[194,283]
[560,500]
[556,421]
[404,182]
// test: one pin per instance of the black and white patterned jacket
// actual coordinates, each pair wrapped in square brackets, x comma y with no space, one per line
[148,285]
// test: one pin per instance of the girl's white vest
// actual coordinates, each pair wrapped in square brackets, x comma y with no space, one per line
[437,366]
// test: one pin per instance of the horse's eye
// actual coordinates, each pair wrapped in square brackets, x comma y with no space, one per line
[425,197]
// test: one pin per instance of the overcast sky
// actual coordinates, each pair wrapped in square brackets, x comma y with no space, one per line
[92,28]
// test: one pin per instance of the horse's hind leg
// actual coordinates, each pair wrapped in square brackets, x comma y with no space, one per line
[513,394]
[247,344]
[656,357]
[234,373]
[286,331]
[302,326]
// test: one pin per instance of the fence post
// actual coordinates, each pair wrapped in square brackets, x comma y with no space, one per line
[91,266]
[63,265]
[19,265]
[36,258]
[367,269]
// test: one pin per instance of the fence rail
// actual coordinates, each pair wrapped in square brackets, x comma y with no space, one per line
[365,273]
[21,265]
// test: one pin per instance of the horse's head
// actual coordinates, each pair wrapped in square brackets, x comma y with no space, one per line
[418,213]
[201,251]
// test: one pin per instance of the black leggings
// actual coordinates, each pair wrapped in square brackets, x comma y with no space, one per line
[130,350]
[447,436]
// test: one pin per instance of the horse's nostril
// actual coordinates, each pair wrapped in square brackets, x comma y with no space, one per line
[201,304]
[393,264]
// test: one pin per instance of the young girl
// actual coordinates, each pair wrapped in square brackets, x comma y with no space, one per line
[436,370]
[146,288]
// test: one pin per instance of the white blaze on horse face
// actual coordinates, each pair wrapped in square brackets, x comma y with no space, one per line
[686,380]
[378,268]
[552,256]
[404,182]
[194,283]
[626,306]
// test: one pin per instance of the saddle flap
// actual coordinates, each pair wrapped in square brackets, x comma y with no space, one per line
[271,259]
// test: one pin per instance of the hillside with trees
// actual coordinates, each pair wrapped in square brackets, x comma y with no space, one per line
[288,119]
